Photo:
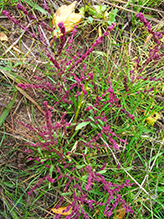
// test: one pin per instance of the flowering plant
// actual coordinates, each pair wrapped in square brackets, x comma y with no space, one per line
[71,151]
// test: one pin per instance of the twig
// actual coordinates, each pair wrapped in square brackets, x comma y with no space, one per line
[16,41]
[120,7]
[117,161]
[140,6]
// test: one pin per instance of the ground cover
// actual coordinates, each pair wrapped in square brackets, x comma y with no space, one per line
[82,114]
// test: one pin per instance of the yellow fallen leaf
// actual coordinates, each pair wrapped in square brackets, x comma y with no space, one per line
[60,210]
[3,37]
[121,213]
[63,12]
[66,15]
[153,118]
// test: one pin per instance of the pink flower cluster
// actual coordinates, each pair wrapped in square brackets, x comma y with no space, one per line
[157,36]
[90,50]
[48,178]
[31,17]
[81,197]
[59,157]
[154,56]
[53,144]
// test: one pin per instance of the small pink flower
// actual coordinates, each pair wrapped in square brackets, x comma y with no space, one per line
[51,180]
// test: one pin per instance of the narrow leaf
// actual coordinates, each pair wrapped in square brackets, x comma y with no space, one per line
[35,6]
[81,125]
[7,110]
[30,98]
[60,210]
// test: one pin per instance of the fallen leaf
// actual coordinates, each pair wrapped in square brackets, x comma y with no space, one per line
[3,37]
[121,213]
[60,210]
[66,15]
[153,118]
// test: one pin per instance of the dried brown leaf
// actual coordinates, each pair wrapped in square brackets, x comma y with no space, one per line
[121,213]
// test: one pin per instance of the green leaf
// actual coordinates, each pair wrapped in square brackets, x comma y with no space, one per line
[160,189]
[103,8]
[90,19]
[84,177]
[7,110]
[96,11]
[100,9]
[96,192]
[80,166]
[40,151]
[81,125]
[101,122]
[82,11]
[114,11]
[51,170]
[100,53]
[111,16]
[67,193]
[90,117]
[101,171]
[8,184]
[35,6]
[94,126]
[91,11]
[109,23]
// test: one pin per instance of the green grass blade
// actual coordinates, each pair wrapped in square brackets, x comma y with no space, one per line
[7,110]
[35,6]
[14,214]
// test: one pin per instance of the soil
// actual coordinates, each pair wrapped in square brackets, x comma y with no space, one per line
[12,149]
